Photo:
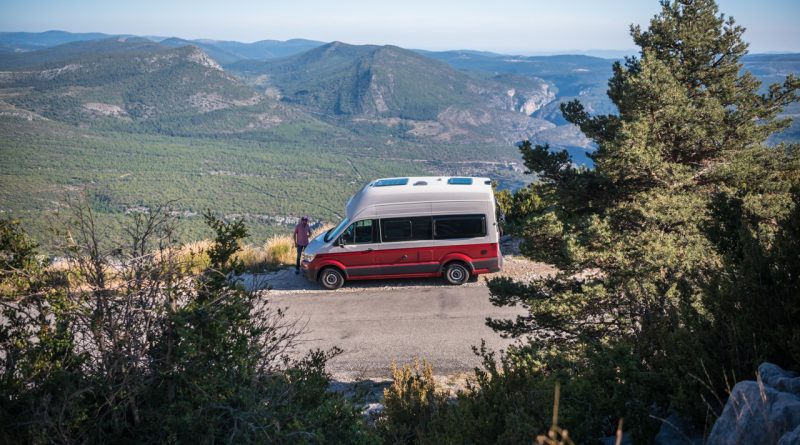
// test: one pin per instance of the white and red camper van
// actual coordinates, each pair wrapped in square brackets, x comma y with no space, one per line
[410,227]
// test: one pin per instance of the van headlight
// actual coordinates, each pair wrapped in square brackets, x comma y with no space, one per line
[308,257]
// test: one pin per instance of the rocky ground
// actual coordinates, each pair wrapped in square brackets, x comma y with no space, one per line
[517,266]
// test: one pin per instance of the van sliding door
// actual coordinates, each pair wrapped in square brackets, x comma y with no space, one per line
[406,246]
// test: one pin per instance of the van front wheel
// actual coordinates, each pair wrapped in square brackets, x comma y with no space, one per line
[331,278]
[456,273]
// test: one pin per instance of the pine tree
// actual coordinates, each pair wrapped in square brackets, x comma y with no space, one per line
[651,242]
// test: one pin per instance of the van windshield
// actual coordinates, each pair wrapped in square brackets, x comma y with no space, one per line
[332,234]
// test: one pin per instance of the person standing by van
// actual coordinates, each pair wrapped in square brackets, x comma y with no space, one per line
[302,232]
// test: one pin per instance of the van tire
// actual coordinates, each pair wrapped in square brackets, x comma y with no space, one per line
[456,273]
[331,278]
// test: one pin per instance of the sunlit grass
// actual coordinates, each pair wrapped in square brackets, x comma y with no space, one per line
[280,250]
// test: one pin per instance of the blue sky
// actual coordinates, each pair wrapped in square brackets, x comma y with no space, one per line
[511,26]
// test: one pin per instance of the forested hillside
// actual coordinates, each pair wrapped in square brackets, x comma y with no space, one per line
[271,130]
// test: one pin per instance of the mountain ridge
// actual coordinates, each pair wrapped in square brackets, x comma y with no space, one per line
[390,85]
[455,96]
[121,79]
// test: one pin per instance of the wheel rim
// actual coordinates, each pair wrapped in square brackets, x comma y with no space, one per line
[330,279]
[456,274]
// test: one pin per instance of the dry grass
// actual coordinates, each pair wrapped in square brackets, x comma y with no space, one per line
[277,251]
[193,257]
[254,259]
[280,250]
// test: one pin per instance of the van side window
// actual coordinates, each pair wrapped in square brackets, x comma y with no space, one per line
[361,232]
[459,226]
[406,229]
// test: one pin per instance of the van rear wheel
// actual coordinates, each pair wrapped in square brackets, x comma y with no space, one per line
[456,273]
[331,278]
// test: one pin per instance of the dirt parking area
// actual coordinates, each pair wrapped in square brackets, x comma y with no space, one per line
[379,322]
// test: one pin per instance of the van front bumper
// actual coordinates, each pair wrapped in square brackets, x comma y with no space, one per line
[308,272]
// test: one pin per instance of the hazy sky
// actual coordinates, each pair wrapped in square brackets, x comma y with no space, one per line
[518,26]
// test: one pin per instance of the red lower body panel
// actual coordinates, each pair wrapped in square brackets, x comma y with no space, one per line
[421,262]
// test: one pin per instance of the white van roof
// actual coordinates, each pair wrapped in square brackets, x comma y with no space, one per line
[420,189]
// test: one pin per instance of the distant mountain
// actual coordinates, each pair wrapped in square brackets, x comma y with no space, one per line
[53,56]
[130,82]
[214,87]
[219,55]
[586,78]
[227,52]
[174,87]
[223,51]
[772,68]
[570,72]
[367,80]
[32,41]
[267,49]
[611,54]
[391,86]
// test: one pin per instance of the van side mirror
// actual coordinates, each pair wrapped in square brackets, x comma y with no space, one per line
[340,242]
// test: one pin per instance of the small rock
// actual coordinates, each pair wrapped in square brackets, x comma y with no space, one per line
[372,410]
[779,379]
[759,413]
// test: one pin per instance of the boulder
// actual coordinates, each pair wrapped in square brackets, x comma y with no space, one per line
[774,376]
[766,411]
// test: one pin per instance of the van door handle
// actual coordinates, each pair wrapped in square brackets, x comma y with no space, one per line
[369,250]
[404,257]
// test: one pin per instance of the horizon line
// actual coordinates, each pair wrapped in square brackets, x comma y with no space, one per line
[531,52]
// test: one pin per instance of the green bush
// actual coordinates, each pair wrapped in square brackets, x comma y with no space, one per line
[518,207]
[142,351]
[506,403]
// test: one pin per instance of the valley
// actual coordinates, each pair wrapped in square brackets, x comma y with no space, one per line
[271,130]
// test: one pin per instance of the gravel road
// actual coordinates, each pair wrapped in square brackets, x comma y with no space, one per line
[377,322]
[375,326]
